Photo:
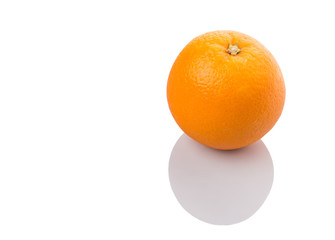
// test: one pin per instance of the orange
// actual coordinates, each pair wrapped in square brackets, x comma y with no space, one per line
[225,90]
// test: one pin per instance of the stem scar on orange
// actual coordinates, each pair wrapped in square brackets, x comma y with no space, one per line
[225,90]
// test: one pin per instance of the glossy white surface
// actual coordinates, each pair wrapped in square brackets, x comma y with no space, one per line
[220,187]
[86,134]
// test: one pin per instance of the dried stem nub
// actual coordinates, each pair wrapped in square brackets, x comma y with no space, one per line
[233,49]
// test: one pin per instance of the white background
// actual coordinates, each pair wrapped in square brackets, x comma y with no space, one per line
[86,133]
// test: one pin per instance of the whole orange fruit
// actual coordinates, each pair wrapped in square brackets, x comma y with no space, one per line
[225,90]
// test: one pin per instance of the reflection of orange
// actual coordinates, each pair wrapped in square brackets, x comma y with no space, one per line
[225,90]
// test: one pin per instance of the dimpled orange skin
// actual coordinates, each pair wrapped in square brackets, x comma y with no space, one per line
[221,100]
